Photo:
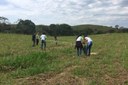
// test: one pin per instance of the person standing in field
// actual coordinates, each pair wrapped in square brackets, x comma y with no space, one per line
[43,41]
[88,40]
[55,37]
[79,45]
[33,39]
[37,38]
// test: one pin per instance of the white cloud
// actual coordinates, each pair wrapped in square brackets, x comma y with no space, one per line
[116,1]
[66,11]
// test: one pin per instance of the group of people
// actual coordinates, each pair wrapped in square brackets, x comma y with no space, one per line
[83,44]
[36,37]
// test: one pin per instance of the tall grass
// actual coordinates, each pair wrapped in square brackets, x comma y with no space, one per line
[111,59]
[19,59]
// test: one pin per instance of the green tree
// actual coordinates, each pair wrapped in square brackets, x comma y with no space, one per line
[4,25]
[26,27]
[62,29]
[42,28]
[117,26]
[3,20]
[66,29]
[53,29]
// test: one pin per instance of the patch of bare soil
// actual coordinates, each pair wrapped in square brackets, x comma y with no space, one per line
[63,78]
[120,79]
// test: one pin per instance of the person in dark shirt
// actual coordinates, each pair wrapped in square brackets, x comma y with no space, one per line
[33,39]
[55,37]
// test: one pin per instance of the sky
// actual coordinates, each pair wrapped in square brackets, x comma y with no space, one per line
[72,12]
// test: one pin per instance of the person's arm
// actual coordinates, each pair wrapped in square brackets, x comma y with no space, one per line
[84,41]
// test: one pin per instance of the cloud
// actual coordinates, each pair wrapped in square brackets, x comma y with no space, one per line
[124,3]
[73,12]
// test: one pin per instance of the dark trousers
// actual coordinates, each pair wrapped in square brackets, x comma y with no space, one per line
[43,44]
[37,41]
[79,47]
[33,43]
[84,49]
[79,51]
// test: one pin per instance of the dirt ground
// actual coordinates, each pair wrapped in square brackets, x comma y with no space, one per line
[66,78]
[63,78]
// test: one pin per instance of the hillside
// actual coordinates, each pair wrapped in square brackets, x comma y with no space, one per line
[82,27]
[22,64]
[93,29]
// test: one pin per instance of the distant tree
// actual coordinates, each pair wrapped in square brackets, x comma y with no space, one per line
[66,29]
[111,31]
[4,25]
[124,30]
[42,28]
[3,20]
[122,27]
[53,29]
[25,27]
[117,26]
[60,29]
[89,31]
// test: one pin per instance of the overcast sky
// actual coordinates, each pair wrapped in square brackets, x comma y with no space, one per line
[72,12]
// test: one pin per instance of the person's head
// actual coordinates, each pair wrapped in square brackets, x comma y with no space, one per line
[43,32]
[85,35]
[78,35]
[33,33]
[37,33]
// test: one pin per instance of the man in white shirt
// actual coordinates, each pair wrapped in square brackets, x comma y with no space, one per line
[89,45]
[43,41]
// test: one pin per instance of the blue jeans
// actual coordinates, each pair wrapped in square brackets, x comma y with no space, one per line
[84,49]
[88,48]
[79,51]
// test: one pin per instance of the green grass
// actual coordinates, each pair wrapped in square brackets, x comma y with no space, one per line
[111,59]
[18,59]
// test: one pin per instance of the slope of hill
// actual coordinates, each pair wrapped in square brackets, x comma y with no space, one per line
[93,29]
[100,27]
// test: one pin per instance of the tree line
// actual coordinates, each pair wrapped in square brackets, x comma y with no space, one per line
[29,27]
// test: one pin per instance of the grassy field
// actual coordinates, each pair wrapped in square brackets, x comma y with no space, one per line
[22,64]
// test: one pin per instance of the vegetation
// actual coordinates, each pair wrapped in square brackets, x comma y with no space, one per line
[92,29]
[25,27]
[28,27]
[22,64]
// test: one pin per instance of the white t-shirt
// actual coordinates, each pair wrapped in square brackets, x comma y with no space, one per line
[88,39]
[43,37]
[80,38]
